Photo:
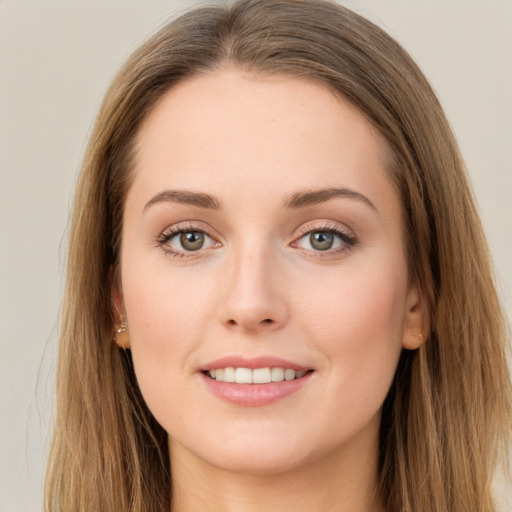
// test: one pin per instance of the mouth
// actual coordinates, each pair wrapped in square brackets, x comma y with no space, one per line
[255,382]
[264,375]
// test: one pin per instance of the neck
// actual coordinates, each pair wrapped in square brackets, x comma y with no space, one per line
[342,481]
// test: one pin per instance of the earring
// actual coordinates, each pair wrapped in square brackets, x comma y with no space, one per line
[420,342]
[123,327]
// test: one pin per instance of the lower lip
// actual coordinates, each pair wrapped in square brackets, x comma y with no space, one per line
[254,395]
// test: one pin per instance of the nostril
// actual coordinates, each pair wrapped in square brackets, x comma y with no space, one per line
[248,323]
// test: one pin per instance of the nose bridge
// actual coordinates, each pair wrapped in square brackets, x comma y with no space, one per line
[253,300]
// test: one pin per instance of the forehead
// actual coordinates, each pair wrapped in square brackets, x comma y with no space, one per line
[230,129]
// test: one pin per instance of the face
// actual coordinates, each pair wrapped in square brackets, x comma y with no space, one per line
[262,244]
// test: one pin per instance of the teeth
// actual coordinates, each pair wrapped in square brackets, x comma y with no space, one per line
[256,376]
[277,374]
[229,375]
[243,376]
[261,376]
[289,374]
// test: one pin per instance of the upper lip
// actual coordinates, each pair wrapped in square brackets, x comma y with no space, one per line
[252,363]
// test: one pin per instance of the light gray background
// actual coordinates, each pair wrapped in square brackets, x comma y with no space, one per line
[56,59]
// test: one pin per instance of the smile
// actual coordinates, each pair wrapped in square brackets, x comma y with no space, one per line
[264,375]
[255,382]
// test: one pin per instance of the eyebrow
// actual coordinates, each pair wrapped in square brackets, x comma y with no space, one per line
[296,201]
[185,197]
[314,197]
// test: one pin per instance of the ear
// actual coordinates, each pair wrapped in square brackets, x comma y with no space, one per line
[121,335]
[416,324]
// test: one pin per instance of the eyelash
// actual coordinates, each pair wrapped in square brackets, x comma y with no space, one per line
[173,231]
[349,241]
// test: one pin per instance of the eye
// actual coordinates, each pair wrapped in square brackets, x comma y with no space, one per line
[191,240]
[179,241]
[323,240]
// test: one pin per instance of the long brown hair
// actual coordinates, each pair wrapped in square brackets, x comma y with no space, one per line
[447,415]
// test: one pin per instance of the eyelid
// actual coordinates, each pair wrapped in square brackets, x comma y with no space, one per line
[183,227]
[325,225]
[347,237]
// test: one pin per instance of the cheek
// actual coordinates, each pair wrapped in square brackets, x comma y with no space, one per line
[357,321]
[358,329]
[364,299]
[166,312]
[162,304]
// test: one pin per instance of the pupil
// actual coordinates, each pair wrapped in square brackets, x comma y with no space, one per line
[321,240]
[192,240]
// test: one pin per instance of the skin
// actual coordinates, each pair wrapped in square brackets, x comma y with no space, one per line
[258,287]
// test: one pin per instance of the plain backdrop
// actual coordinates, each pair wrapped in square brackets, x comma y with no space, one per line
[56,60]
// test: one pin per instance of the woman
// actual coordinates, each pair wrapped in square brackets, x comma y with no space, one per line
[274,224]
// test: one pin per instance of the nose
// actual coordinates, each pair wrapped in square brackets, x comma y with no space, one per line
[254,293]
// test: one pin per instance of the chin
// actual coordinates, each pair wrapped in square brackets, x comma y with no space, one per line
[263,453]
[256,462]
